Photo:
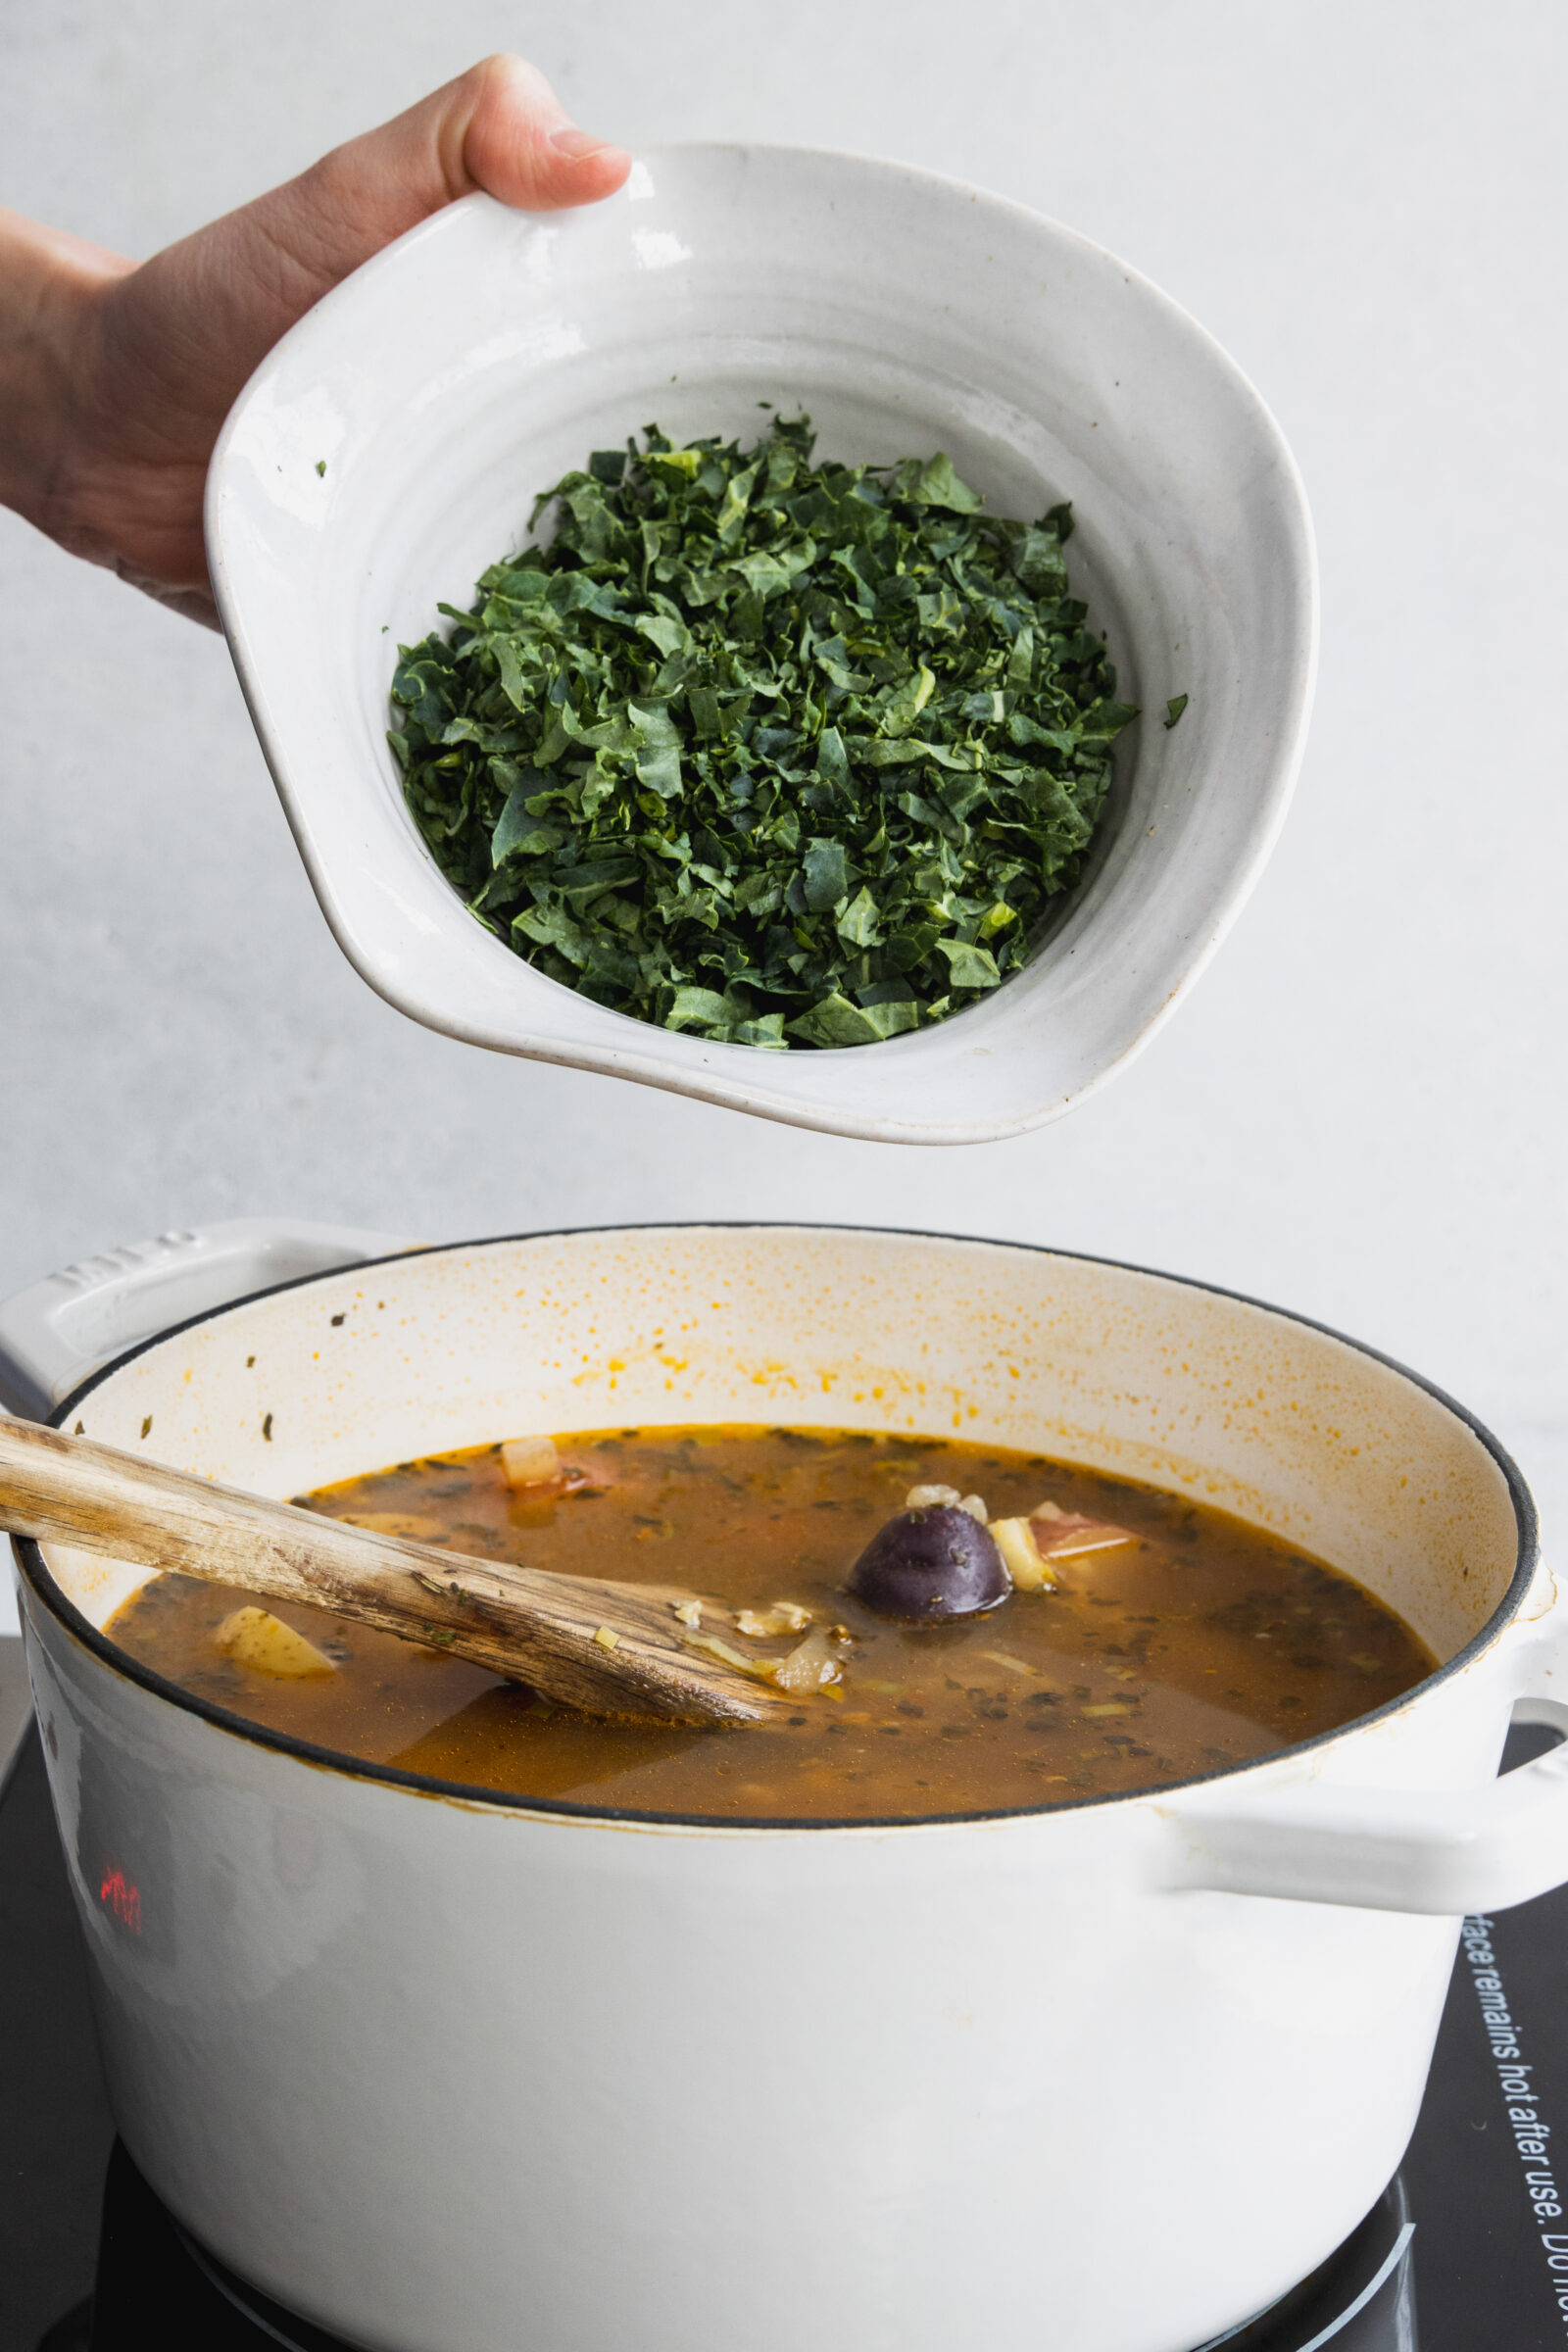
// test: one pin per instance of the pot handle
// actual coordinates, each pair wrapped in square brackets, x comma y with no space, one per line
[57,1330]
[1453,1851]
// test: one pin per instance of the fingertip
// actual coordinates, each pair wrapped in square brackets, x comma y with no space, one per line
[564,168]
[583,167]
[520,147]
[598,172]
[579,146]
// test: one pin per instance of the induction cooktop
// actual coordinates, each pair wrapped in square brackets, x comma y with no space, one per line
[1462,2253]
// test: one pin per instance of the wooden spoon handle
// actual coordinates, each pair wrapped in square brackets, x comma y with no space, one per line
[551,1632]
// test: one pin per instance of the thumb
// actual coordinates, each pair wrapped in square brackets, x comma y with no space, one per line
[499,128]
[519,146]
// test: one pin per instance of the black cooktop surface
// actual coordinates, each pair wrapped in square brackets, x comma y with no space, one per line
[1454,2257]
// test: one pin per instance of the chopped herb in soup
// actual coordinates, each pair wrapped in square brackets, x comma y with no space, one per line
[964,1627]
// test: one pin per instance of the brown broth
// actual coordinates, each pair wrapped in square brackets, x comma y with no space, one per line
[1201,1645]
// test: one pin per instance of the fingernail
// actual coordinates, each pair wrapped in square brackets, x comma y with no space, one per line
[578,145]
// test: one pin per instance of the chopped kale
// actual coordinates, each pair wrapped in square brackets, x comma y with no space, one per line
[1175,706]
[771,752]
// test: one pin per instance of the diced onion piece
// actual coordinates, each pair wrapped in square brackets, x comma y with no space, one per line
[976,1506]
[811,1667]
[255,1638]
[1003,1657]
[530,1462]
[1064,1534]
[932,1498]
[760,1668]
[690,1612]
[784,1617]
[608,1638]
[1021,1556]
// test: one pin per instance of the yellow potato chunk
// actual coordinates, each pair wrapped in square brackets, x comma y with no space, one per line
[255,1638]
[1014,1539]
[530,1462]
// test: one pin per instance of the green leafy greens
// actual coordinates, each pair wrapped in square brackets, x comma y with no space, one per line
[773,751]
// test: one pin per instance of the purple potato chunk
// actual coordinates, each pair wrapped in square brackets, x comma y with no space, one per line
[935,1562]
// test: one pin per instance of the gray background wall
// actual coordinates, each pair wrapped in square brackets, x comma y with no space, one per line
[1360,1113]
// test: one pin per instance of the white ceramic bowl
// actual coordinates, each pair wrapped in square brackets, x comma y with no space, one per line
[391,447]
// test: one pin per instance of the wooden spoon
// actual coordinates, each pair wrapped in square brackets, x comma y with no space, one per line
[611,1649]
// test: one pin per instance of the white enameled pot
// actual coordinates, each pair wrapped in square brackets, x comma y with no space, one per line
[446,2074]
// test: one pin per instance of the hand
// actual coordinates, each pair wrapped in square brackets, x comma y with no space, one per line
[115,377]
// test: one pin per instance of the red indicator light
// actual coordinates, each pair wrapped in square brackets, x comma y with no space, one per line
[121,1897]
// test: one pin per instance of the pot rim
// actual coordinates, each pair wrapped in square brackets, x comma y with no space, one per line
[119,1661]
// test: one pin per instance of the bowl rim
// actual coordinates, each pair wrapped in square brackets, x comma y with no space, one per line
[737,1077]
[466,1794]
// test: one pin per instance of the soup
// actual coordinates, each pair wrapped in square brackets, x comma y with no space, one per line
[1162,1640]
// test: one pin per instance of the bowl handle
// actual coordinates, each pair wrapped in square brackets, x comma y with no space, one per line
[1443,1851]
[57,1330]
